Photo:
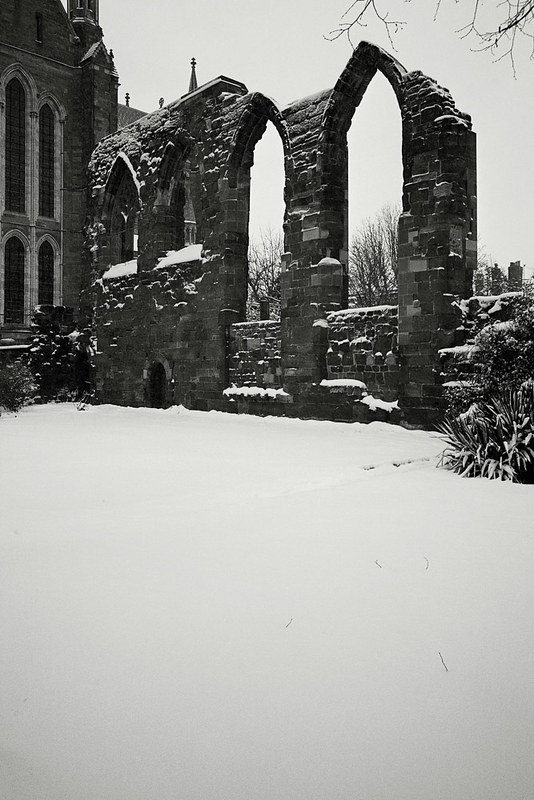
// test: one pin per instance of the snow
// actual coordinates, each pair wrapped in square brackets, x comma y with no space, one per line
[120,270]
[207,606]
[352,313]
[343,382]
[193,252]
[255,391]
[376,403]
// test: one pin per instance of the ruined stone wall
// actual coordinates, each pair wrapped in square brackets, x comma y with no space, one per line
[210,128]
[211,134]
[254,354]
[363,346]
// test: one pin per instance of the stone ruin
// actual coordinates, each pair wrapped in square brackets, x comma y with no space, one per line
[172,329]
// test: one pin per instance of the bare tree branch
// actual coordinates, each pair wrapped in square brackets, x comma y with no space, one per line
[373,259]
[264,267]
[515,17]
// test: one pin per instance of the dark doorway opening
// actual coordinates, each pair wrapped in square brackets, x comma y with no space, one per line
[158,386]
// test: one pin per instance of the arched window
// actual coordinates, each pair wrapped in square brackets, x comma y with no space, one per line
[45,293]
[15,146]
[46,162]
[123,211]
[14,282]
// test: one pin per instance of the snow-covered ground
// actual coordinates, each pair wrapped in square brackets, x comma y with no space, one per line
[208,607]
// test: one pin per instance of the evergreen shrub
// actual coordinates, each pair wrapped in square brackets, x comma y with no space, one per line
[494,438]
[17,385]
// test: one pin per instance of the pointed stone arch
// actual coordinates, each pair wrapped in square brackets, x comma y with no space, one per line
[258,110]
[437,229]
[177,207]
[120,212]
[15,279]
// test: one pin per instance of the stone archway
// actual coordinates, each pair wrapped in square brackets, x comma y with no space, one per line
[437,227]
[157,386]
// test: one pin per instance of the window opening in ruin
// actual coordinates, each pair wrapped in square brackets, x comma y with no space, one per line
[14,281]
[39,28]
[266,216]
[15,147]
[374,197]
[158,386]
[124,215]
[178,200]
[45,291]
[191,193]
[46,162]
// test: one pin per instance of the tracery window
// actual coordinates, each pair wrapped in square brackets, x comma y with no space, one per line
[15,146]
[124,217]
[14,281]
[46,162]
[45,291]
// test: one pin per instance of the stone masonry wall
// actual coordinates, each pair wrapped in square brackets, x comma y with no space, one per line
[254,354]
[142,320]
[212,133]
[363,346]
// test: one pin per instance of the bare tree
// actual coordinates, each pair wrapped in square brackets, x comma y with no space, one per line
[264,267]
[373,264]
[512,18]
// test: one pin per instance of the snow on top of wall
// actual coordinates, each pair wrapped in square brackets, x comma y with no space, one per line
[467,350]
[120,270]
[343,382]
[490,302]
[254,391]
[193,252]
[350,313]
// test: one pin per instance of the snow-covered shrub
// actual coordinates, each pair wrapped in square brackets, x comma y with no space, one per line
[17,385]
[506,349]
[59,356]
[495,438]
[461,396]
[501,356]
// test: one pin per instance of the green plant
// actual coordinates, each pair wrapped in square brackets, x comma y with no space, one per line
[17,385]
[495,438]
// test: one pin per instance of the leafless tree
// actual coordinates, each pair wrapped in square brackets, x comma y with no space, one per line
[373,259]
[264,267]
[498,35]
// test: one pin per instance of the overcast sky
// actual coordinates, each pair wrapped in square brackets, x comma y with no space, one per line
[278,48]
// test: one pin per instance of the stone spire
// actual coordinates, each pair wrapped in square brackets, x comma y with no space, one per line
[193,85]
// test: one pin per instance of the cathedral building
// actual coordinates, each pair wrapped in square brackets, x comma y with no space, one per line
[58,99]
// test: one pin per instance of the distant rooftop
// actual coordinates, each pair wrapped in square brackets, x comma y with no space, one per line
[126,115]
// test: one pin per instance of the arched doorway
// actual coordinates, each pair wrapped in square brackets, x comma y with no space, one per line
[157,386]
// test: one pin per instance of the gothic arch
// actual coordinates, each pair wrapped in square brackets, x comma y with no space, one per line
[352,84]
[14,281]
[57,288]
[178,191]
[120,211]
[257,112]
[251,126]
[27,80]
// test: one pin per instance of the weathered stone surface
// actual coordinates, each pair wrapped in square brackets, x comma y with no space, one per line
[204,144]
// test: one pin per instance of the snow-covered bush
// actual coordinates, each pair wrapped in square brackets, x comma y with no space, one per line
[17,385]
[59,356]
[506,349]
[494,438]
[501,355]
